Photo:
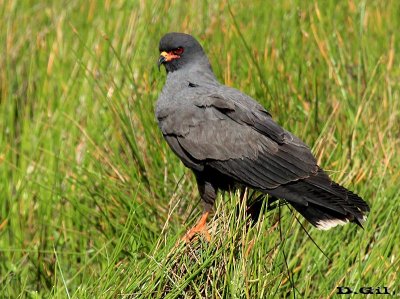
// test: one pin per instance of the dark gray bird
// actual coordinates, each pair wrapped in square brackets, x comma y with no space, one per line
[227,139]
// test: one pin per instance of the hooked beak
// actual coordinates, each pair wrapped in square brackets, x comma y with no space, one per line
[163,58]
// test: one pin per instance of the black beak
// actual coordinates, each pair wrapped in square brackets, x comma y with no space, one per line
[161,60]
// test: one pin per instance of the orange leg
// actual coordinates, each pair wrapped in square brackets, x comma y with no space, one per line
[200,227]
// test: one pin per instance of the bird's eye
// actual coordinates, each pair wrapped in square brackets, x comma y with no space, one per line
[178,51]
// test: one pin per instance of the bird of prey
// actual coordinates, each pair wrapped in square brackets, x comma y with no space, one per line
[228,140]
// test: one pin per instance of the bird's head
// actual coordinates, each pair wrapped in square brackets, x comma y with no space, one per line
[179,50]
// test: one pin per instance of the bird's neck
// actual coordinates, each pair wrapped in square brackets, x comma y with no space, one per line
[199,73]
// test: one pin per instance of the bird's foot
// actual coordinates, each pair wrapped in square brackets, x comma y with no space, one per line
[200,227]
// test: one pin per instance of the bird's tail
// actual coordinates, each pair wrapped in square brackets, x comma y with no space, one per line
[352,209]
[324,203]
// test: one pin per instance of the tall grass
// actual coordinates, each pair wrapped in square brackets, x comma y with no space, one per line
[92,199]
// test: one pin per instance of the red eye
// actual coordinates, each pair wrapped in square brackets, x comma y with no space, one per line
[178,51]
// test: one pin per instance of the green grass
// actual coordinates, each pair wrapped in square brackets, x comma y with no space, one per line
[92,199]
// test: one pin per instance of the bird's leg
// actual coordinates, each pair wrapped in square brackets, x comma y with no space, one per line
[208,193]
[200,227]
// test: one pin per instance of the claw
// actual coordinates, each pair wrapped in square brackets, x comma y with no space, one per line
[200,227]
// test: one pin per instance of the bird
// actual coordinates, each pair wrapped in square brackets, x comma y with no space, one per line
[229,141]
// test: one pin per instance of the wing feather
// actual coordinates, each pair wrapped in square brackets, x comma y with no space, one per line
[233,134]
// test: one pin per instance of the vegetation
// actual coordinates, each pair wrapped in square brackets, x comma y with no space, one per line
[92,199]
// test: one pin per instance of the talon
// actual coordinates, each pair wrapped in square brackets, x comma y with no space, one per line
[200,227]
